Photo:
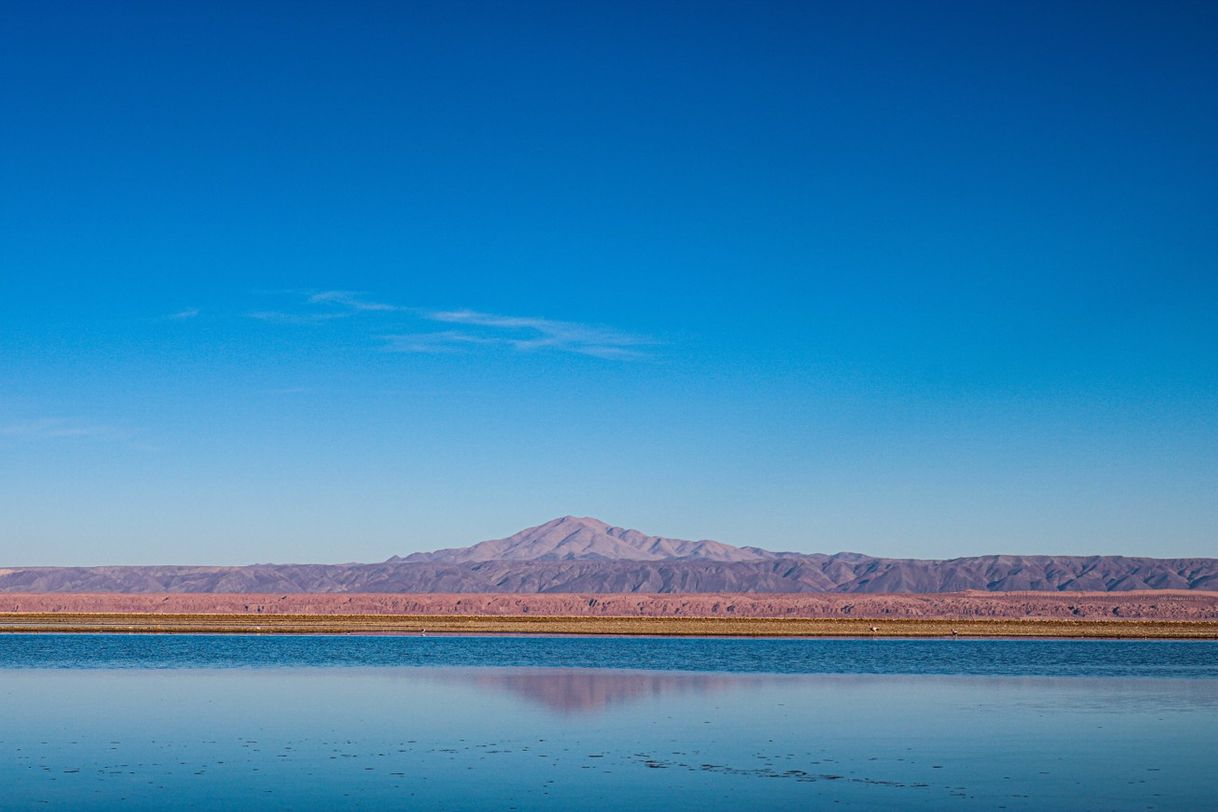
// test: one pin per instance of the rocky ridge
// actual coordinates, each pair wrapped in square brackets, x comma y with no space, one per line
[582,555]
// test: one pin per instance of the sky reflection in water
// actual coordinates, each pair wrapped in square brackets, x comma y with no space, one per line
[466,738]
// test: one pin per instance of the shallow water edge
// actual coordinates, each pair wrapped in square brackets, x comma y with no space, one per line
[990,657]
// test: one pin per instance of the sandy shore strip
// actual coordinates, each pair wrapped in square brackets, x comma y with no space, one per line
[167,623]
[1166,614]
[1140,605]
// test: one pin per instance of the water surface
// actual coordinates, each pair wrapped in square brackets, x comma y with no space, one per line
[1124,658]
[103,722]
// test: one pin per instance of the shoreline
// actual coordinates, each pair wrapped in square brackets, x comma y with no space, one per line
[1155,605]
[596,626]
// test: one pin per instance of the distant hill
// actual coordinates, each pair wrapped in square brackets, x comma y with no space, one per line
[583,555]
[585,539]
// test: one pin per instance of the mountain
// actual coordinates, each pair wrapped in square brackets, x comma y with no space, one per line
[570,538]
[582,555]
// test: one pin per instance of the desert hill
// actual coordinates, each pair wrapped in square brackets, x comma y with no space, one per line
[583,555]
[571,538]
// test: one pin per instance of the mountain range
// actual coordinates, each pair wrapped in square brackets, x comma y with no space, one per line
[585,555]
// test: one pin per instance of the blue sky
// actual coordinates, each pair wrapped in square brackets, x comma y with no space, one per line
[329,282]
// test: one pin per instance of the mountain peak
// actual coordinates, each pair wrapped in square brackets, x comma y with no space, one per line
[583,538]
[573,521]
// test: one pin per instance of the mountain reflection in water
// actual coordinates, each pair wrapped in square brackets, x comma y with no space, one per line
[557,737]
[575,691]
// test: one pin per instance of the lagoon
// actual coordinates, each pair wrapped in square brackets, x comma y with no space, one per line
[101,721]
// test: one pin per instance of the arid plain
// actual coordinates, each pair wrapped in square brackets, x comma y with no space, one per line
[1142,614]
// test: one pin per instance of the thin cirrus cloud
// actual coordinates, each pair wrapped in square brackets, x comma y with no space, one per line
[183,315]
[353,300]
[530,334]
[325,306]
[466,330]
[284,317]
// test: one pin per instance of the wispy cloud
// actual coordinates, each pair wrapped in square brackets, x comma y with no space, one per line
[467,328]
[528,333]
[283,317]
[47,428]
[319,307]
[183,315]
[354,300]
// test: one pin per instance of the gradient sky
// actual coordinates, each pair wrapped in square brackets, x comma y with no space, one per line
[336,281]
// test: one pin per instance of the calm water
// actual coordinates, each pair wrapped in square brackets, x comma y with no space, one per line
[91,722]
[1133,658]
